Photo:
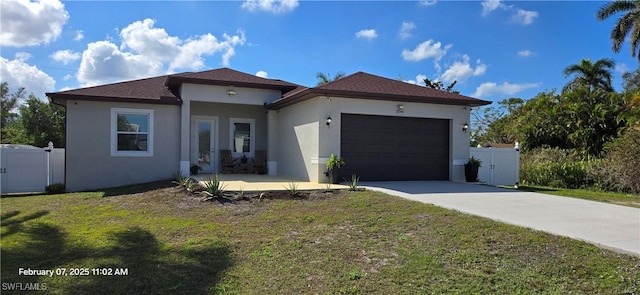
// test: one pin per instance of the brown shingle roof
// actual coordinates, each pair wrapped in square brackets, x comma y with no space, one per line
[226,77]
[163,89]
[144,90]
[368,86]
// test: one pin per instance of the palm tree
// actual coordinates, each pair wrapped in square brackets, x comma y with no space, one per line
[593,75]
[322,78]
[629,22]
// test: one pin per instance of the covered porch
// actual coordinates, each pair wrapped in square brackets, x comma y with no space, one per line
[256,182]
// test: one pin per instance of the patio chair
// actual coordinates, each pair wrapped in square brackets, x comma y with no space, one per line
[227,163]
[259,162]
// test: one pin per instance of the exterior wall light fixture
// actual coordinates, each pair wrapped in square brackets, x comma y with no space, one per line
[400,108]
[328,121]
[465,127]
[231,92]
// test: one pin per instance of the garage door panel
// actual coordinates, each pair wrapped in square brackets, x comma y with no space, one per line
[395,148]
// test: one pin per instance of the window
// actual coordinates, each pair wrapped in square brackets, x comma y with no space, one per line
[242,140]
[131,132]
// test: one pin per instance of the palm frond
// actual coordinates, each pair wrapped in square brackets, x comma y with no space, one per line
[614,7]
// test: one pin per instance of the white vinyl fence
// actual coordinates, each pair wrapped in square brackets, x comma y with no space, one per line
[500,166]
[28,169]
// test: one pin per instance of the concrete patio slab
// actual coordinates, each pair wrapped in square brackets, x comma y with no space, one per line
[258,183]
[609,226]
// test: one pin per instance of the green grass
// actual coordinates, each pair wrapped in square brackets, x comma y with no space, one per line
[334,243]
[624,199]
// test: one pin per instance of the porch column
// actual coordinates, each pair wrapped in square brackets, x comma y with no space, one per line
[272,143]
[185,141]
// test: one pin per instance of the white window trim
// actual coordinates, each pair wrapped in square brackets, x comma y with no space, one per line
[252,134]
[114,133]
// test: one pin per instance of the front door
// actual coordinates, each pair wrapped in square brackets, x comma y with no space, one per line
[204,131]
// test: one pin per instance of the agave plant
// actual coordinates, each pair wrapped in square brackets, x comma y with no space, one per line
[186,182]
[353,183]
[213,187]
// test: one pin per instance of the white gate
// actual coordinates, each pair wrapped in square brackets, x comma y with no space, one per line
[500,166]
[27,169]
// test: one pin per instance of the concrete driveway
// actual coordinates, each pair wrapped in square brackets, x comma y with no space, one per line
[606,225]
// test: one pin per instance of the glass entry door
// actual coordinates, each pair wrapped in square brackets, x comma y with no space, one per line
[204,143]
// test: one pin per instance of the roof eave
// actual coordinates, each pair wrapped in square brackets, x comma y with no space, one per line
[177,80]
[310,93]
[164,100]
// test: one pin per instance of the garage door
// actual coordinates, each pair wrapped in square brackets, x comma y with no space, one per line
[394,148]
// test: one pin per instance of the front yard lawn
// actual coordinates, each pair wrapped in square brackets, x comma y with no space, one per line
[328,243]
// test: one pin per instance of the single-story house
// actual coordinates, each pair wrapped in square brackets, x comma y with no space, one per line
[148,129]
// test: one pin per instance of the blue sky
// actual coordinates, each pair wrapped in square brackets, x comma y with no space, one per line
[494,49]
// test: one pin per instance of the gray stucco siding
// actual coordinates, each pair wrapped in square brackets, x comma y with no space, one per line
[89,163]
[298,140]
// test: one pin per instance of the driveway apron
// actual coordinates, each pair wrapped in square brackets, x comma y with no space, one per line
[609,226]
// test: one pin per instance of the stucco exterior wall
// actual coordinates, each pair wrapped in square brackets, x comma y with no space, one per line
[225,112]
[297,140]
[213,93]
[89,163]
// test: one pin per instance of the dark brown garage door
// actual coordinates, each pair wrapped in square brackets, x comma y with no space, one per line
[394,148]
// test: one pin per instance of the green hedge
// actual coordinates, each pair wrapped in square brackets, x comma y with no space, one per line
[557,174]
[617,170]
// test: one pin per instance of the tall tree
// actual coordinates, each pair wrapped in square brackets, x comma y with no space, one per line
[43,122]
[496,125]
[590,74]
[9,118]
[631,80]
[580,119]
[629,22]
[326,78]
[9,103]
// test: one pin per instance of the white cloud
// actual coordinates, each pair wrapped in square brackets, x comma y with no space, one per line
[525,53]
[262,74]
[426,49]
[521,16]
[27,23]
[428,2]
[367,34]
[273,6]
[20,74]
[146,50]
[23,56]
[490,5]
[461,70]
[405,30]
[67,77]
[155,43]
[622,68]
[79,35]
[65,56]
[506,88]
[525,17]
[102,62]
[418,81]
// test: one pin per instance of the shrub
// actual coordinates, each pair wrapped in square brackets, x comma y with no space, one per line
[619,170]
[56,188]
[554,167]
